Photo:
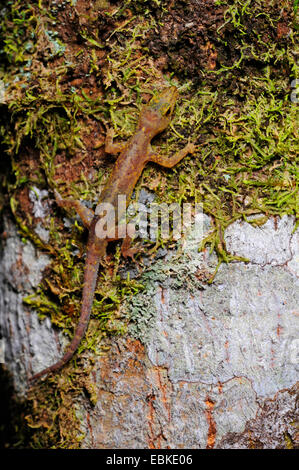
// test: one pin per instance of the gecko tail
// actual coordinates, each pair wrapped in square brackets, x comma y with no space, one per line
[80,331]
[94,255]
[79,334]
[58,365]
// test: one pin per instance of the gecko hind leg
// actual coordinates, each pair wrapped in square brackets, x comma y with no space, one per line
[126,250]
[85,214]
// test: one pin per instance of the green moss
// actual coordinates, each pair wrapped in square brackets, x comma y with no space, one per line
[289,444]
[60,90]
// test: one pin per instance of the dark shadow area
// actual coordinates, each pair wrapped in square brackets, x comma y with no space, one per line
[13,433]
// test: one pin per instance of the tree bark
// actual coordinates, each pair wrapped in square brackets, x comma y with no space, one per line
[218,365]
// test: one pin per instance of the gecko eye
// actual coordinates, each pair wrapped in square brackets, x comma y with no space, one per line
[168,112]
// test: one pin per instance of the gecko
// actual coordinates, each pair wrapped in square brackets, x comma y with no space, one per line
[133,156]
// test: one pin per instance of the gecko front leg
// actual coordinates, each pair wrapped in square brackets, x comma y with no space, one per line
[112,147]
[170,162]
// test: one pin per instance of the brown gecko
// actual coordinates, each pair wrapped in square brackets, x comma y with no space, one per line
[134,155]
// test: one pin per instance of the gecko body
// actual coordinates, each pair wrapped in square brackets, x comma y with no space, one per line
[134,155]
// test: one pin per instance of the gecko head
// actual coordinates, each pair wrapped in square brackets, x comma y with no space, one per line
[157,114]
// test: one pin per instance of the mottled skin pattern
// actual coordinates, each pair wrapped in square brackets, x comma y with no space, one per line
[134,155]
